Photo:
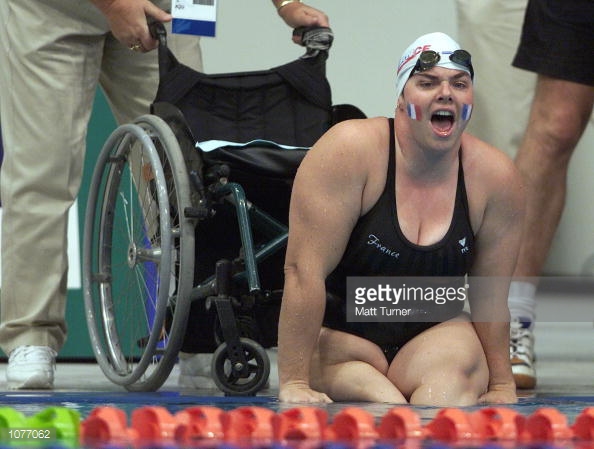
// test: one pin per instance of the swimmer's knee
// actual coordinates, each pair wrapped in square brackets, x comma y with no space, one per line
[454,388]
[336,347]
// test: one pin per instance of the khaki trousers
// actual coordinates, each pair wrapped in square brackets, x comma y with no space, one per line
[490,30]
[54,54]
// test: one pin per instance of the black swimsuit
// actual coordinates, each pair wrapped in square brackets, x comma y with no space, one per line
[377,247]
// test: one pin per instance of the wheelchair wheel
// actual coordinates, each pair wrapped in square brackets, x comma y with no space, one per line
[230,381]
[138,254]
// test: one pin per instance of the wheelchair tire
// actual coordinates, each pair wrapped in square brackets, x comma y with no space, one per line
[138,254]
[233,384]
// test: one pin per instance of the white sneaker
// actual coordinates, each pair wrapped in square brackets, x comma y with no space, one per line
[31,367]
[194,371]
[521,353]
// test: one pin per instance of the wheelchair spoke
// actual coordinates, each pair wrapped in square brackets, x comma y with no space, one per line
[138,254]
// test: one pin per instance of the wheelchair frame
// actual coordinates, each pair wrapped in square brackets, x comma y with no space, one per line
[146,196]
[240,365]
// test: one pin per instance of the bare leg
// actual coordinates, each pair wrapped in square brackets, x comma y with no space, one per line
[350,368]
[559,115]
[445,366]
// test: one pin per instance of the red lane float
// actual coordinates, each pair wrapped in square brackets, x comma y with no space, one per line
[257,425]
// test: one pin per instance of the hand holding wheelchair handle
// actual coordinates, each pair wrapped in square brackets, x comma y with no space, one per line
[297,14]
[158,32]
[128,21]
[312,37]
[315,39]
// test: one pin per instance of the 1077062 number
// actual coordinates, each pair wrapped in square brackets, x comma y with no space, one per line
[28,434]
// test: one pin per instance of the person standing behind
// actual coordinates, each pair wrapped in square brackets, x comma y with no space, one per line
[557,44]
[54,55]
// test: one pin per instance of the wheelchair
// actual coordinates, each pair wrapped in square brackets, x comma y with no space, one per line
[158,200]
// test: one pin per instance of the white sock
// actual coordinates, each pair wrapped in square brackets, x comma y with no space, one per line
[521,302]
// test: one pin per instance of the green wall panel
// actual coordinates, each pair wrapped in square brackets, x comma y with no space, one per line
[101,125]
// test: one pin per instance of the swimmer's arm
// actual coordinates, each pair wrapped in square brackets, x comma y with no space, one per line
[498,240]
[325,204]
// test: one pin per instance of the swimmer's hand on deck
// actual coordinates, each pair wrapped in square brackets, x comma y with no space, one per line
[499,395]
[301,393]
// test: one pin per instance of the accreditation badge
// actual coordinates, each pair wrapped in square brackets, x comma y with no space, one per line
[197,17]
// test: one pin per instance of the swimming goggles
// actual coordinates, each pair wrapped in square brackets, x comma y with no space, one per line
[429,58]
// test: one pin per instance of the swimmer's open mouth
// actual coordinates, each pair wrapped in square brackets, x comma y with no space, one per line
[442,121]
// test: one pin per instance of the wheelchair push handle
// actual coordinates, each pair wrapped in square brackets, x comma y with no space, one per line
[158,31]
[314,39]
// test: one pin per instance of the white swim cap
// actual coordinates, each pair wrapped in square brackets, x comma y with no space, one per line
[437,42]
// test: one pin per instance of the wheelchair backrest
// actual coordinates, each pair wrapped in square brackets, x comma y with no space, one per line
[290,104]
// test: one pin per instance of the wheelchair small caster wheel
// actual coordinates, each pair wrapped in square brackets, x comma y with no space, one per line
[237,380]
